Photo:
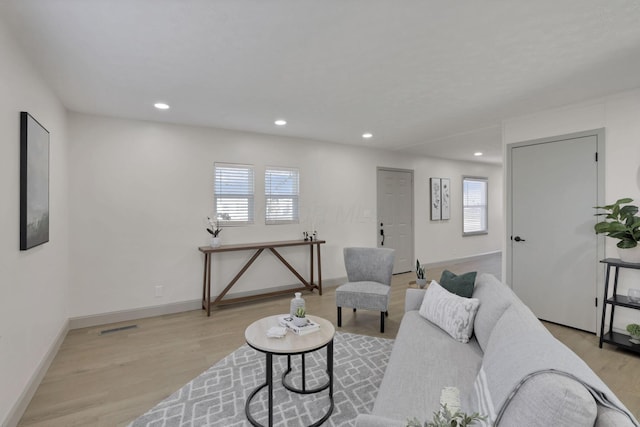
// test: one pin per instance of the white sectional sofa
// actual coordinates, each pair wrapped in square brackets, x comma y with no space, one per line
[512,370]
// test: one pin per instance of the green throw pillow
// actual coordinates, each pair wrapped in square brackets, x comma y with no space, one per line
[460,285]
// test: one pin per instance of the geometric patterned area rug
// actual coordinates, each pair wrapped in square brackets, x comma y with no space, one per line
[217,396]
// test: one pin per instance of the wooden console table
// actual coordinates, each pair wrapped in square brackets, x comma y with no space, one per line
[259,248]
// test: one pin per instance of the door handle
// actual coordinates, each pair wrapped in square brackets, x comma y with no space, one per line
[519,239]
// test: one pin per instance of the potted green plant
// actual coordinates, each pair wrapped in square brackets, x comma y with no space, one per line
[445,418]
[634,331]
[622,222]
[421,280]
[299,317]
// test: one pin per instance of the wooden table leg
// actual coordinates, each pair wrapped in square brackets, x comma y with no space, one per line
[204,280]
[311,264]
[209,286]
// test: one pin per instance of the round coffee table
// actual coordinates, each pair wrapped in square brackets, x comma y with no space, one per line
[289,345]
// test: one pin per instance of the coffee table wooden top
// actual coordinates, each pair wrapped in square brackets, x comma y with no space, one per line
[256,336]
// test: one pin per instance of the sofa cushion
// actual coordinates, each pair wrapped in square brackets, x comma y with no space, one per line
[461,285]
[453,313]
[424,360]
[494,298]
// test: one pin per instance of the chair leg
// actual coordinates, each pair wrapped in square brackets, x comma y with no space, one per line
[339,316]
[382,322]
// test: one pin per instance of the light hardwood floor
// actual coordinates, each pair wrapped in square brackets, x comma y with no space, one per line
[109,380]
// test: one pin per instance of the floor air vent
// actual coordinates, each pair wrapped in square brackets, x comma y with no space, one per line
[122,328]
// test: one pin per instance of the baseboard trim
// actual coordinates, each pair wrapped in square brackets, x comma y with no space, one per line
[172,308]
[179,307]
[133,314]
[463,259]
[18,409]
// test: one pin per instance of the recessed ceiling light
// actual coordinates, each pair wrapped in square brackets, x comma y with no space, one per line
[477,154]
[161,106]
[280,122]
[367,135]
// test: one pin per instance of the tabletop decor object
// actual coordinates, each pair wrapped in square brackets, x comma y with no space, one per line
[421,280]
[296,303]
[634,331]
[214,228]
[299,318]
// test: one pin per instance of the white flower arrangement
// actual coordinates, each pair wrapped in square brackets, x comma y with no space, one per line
[214,225]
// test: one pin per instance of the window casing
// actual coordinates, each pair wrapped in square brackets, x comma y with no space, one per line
[474,206]
[233,194]
[282,188]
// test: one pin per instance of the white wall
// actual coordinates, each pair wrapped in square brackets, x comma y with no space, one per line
[438,241]
[34,283]
[128,201]
[618,114]
[140,192]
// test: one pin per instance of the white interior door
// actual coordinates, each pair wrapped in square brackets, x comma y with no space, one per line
[395,216]
[554,254]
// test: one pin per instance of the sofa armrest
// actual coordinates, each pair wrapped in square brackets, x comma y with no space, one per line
[413,299]
[368,420]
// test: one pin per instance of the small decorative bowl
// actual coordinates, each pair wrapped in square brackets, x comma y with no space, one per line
[634,295]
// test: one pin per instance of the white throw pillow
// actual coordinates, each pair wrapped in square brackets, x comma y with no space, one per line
[452,313]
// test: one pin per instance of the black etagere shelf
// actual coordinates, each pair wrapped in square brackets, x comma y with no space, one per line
[616,300]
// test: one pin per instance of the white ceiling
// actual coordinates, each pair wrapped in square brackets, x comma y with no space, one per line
[427,77]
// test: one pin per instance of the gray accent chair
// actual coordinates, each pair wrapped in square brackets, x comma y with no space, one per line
[369,273]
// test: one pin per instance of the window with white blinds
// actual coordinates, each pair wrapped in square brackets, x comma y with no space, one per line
[475,207]
[233,194]
[281,187]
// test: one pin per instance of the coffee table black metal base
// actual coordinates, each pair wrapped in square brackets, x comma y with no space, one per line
[269,384]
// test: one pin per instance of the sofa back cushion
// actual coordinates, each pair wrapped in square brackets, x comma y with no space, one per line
[494,298]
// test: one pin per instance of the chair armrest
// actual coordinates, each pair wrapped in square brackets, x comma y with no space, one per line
[413,299]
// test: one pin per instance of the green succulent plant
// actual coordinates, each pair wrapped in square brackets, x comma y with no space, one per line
[620,222]
[300,312]
[633,329]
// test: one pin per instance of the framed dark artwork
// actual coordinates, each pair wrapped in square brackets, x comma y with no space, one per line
[34,182]
[435,198]
[445,198]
